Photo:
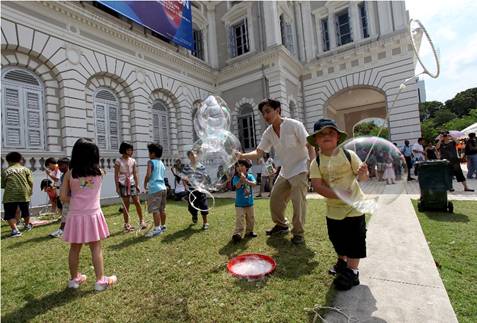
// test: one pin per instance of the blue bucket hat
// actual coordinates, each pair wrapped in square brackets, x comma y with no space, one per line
[322,124]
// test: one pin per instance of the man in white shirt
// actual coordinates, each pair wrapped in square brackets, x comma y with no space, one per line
[418,150]
[288,138]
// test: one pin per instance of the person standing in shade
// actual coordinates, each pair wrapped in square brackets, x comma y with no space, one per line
[407,152]
[288,138]
[471,155]
[448,150]
[418,153]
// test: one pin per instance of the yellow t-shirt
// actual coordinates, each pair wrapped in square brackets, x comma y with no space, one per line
[343,177]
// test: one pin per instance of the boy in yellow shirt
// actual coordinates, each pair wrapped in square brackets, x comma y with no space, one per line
[346,225]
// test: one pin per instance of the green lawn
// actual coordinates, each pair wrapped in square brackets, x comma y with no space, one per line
[179,276]
[452,239]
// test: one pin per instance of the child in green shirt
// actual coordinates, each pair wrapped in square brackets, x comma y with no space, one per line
[346,225]
[17,180]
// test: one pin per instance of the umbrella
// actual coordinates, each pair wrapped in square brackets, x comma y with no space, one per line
[455,134]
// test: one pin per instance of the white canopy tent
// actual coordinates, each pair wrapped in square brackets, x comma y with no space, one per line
[471,128]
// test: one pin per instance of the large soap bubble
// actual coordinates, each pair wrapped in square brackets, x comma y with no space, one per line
[387,174]
[217,154]
[212,115]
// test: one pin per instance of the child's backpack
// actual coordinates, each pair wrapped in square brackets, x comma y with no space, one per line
[346,152]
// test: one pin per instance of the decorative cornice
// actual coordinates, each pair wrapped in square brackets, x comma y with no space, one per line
[116,30]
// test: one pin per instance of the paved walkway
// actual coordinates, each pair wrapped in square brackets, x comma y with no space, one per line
[399,279]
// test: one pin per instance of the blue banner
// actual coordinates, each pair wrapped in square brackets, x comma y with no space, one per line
[170,19]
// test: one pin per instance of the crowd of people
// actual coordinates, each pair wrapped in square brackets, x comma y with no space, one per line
[74,186]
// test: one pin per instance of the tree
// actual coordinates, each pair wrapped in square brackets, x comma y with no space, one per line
[463,102]
[370,129]
[429,109]
[442,116]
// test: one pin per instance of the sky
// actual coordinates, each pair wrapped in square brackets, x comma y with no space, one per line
[452,26]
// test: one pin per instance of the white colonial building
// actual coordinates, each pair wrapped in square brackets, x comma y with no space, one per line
[77,69]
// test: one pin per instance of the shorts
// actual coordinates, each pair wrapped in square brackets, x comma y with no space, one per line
[124,193]
[348,236]
[456,170]
[156,202]
[11,210]
[200,202]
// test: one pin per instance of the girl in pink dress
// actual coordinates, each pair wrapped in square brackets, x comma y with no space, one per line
[85,223]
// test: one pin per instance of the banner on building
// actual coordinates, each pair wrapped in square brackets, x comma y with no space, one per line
[170,19]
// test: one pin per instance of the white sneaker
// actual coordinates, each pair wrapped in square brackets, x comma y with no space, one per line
[76,282]
[105,283]
[163,228]
[154,232]
[56,234]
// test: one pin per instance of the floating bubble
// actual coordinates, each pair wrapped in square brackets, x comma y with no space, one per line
[387,173]
[216,156]
[212,115]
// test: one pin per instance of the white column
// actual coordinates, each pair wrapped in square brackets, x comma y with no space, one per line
[371,12]
[385,18]
[309,39]
[212,38]
[332,28]
[399,12]
[355,21]
[272,23]
[319,35]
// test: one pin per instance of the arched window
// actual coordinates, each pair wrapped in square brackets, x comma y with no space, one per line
[22,110]
[106,108]
[246,127]
[160,126]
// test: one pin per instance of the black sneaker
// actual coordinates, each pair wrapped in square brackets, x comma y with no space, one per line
[251,235]
[194,219]
[338,267]
[277,229]
[298,240]
[346,279]
[236,238]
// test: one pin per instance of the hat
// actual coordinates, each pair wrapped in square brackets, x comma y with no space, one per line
[322,124]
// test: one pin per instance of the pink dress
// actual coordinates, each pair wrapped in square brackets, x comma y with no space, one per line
[85,221]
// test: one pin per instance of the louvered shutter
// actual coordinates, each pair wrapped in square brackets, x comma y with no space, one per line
[160,125]
[34,120]
[247,44]
[113,127]
[232,42]
[156,136]
[101,126]
[289,37]
[13,134]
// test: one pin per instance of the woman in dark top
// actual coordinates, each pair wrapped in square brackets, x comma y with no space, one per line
[448,150]
[430,152]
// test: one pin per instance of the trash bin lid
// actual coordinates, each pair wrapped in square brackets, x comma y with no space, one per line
[441,162]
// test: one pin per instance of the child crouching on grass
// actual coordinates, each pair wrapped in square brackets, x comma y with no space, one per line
[155,186]
[243,183]
[346,225]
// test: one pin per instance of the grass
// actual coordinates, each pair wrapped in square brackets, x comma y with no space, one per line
[453,243]
[178,276]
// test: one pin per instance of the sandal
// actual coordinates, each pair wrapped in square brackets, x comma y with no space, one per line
[128,227]
[76,282]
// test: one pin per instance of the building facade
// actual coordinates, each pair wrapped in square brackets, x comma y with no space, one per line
[76,69]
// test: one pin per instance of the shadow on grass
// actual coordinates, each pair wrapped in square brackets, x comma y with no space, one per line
[129,242]
[183,234]
[292,260]
[22,241]
[35,307]
[232,249]
[446,217]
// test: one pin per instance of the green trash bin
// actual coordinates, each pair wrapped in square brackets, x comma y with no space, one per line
[435,180]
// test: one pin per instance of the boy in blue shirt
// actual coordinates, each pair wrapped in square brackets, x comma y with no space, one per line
[243,183]
[155,186]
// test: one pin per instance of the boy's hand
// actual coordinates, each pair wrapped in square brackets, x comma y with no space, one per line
[363,170]
[242,178]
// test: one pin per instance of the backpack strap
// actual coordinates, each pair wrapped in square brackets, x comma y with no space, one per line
[346,152]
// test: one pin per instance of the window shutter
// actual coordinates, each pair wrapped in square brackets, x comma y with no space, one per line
[289,38]
[113,127]
[247,44]
[165,132]
[101,126]
[12,119]
[232,43]
[34,120]
[155,127]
